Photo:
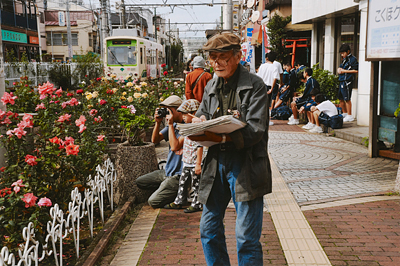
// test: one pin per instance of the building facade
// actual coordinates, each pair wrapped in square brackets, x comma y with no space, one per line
[335,23]
[83,28]
[19,29]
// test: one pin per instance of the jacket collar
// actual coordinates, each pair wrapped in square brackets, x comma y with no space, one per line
[244,81]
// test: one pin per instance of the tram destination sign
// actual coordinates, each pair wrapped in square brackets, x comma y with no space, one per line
[11,36]
[383,30]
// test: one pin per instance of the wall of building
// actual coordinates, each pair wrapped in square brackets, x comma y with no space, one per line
[304,10]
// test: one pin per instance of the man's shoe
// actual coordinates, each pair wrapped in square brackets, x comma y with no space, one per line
[271,123]
[293,122]
[348,118]
[192,209]
[316,129]
[173,206]
[291,118]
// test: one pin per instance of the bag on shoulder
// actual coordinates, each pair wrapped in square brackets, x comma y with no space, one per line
[281,113]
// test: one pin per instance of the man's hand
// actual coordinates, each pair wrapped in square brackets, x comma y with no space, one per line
[180,152]
[170,117]
[340,70]
[199,119]
[208,136]
[269,91]
[156,117]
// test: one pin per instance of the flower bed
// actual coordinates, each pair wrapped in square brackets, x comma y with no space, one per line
[53,151]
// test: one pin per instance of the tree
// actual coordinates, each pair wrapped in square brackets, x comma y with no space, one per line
[276,35]
[176,55]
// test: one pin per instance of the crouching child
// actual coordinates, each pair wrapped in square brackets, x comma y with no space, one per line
[325,113]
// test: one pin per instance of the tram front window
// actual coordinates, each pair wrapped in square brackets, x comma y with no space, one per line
[122,55]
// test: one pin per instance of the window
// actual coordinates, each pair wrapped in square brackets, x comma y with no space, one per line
[121,55]
[90,40]
[60,39]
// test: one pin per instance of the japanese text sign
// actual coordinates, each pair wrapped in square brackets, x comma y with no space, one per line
[383,30]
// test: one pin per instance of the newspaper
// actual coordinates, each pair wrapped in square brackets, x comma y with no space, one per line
[221,125]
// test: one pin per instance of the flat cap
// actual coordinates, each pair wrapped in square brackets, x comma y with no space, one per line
[222,42]
[189,106]
[172,101]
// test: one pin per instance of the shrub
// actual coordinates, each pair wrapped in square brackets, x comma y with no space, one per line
[328,82]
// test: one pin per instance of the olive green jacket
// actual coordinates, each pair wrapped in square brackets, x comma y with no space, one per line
[254,179]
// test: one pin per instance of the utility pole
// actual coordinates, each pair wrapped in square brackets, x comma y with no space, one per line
[2,90]
[155,23]
[109,17]
[170,45]
[69,34]
[229,16]
[103,19]
[123,14]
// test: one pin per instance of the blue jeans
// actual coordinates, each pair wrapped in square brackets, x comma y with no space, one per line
[248,221]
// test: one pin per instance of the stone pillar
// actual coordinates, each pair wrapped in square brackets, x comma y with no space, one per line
[314,44]
[329,49]
[364,72]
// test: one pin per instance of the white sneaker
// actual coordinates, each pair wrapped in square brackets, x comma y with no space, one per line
[306,126]
[348,118]
[291,118]
[344,115]
[293,122]
[271,123]
[316,129]
[311,126]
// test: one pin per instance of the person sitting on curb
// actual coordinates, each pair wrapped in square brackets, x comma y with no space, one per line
[306,108]
[297,103]
[192,159]
[324,110]
[165,182]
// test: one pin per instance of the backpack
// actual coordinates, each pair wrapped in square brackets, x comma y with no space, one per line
[281,113]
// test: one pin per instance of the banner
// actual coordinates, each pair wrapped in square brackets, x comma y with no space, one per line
[250,50]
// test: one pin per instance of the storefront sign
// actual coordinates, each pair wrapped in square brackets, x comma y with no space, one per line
[383,30]
[11,36]
[61,18]
[33,40]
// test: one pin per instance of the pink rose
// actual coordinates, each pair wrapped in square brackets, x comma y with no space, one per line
[29,199]
[46,88]
[103,102]
[93,112]
[40,106]
[31,160]
[100,138]
[17,185]
[81,128]
[8,98]
[80,121]
[44,202]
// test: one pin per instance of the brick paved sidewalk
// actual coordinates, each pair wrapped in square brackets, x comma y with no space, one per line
[320,172]
[175,240]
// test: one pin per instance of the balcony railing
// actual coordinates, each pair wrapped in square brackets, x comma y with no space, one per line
[15,20]
[273,3]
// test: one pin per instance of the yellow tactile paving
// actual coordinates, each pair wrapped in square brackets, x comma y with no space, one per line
[299,243]
[136,239]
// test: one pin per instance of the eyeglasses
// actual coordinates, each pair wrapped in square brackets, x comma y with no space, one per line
[222,60]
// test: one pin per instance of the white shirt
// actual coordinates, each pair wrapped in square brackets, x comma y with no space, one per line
[328,108]
[280,70]
[268,72]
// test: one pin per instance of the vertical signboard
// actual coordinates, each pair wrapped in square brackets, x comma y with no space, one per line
[250,50]
[383,30]
[61,18]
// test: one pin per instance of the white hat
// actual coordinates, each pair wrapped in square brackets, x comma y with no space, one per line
[198,62]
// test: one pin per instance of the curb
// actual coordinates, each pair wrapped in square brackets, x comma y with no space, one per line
[100,242]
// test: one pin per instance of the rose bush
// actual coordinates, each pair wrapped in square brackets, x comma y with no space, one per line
[52,151]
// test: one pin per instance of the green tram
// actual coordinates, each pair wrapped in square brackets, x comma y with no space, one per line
[133,56]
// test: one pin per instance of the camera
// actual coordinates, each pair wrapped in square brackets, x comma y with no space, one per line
[162,112]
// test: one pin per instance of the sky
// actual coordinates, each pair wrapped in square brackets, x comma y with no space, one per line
[181,14]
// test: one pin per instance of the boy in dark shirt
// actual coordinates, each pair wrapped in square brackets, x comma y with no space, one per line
[289,87]
[297,103]
[347,70]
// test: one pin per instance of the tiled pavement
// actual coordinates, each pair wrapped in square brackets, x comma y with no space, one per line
[330,179]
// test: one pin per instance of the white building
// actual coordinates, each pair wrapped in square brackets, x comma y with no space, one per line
[336,22]
[191,45]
